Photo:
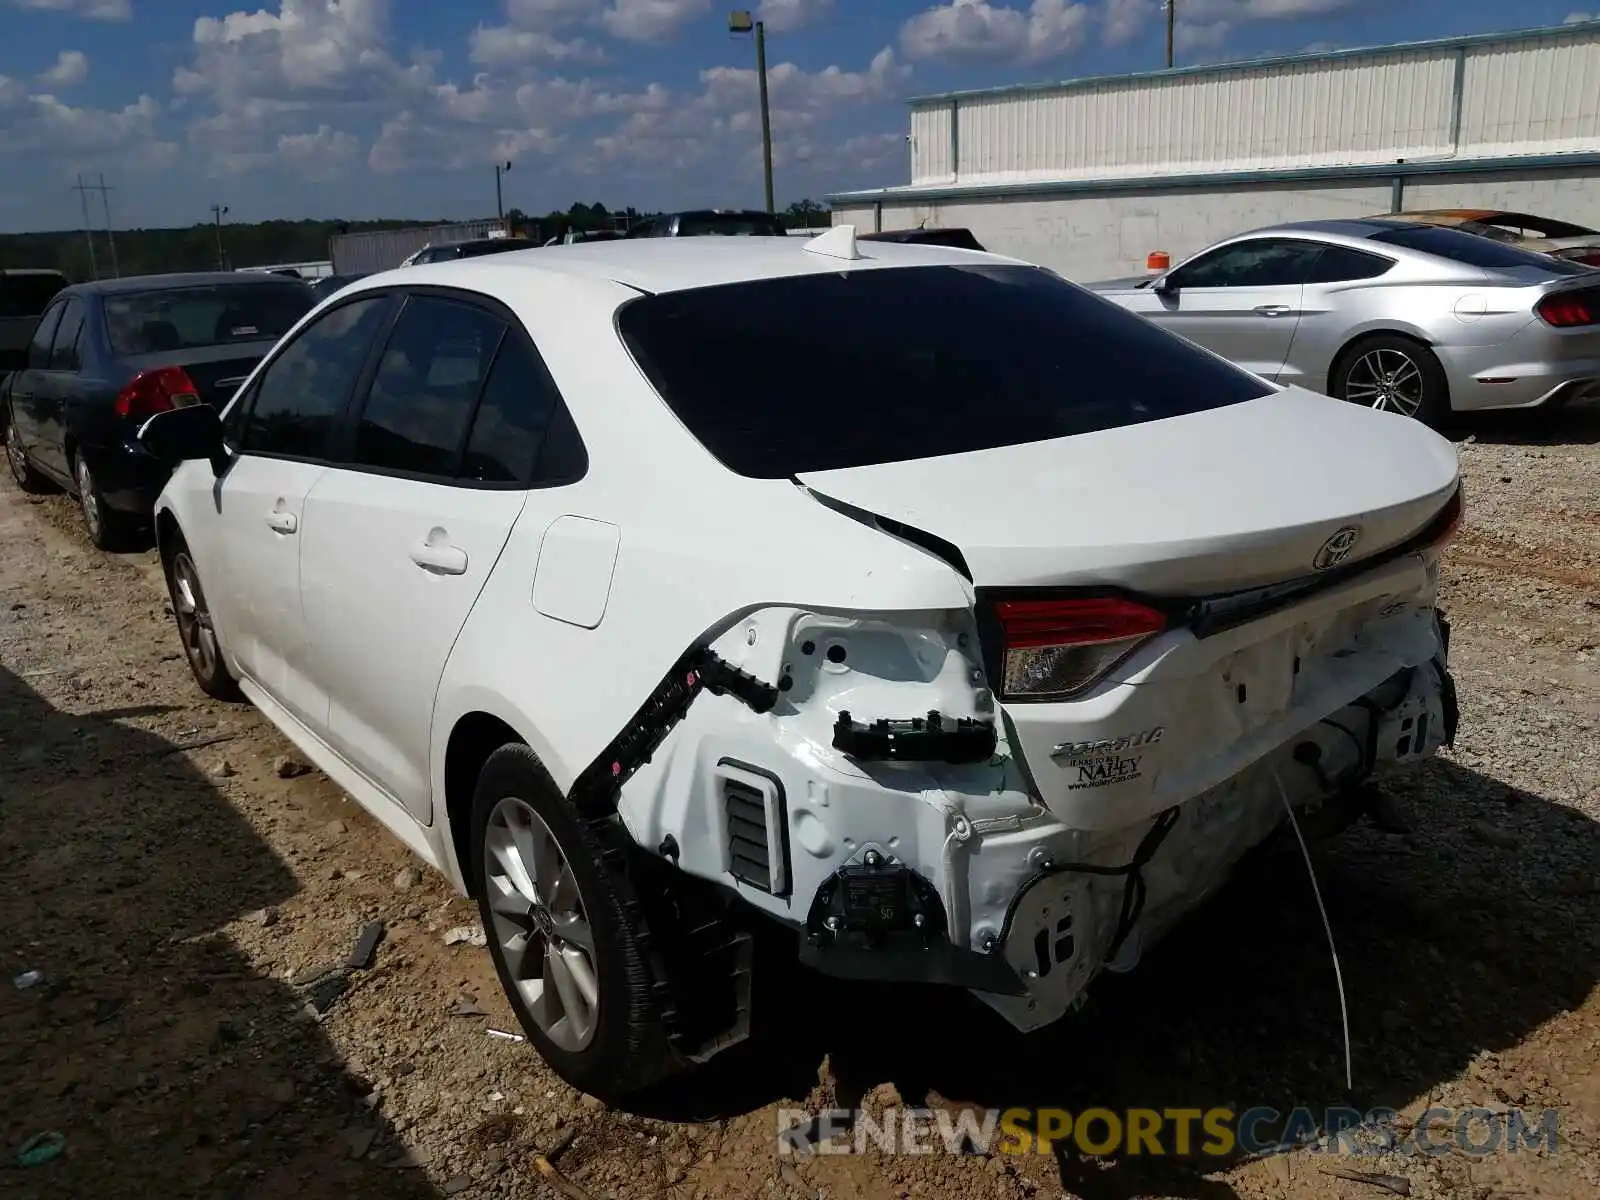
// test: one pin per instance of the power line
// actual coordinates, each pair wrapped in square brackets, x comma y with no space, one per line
[83,191]
[111,239]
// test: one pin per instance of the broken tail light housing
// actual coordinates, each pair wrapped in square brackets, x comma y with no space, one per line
[1056,649]
[1447,524]
[154,391]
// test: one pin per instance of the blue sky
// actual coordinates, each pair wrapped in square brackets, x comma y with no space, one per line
[372,108]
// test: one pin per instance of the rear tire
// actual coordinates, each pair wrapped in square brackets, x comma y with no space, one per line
[108,529]
[197,632]
[1392,373]
[28,479]
[546,897]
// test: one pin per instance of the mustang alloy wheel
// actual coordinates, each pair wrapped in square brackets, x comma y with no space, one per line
[1394,374]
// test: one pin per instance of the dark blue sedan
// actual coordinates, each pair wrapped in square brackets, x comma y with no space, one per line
[106,356]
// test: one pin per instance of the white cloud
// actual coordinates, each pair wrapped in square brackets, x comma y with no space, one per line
[1205,24]
[71,68]
[325,154]
[91,10]
[1577,18]
[977,29]
[1125,20]
[508,46]
[58,136]
[651,20]
[785,16]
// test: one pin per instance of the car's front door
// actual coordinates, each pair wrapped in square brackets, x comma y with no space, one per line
[1241,300]
[280,431]
[402,533]
[25,402]
[55,387]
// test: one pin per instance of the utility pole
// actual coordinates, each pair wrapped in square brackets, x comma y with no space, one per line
[111,238]
[1172,17]
[499,203]
[740,21]
[217,213]
[88,232]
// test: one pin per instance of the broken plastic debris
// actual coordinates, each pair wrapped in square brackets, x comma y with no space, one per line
[509,1037]
[471,935]
[366,946]
[40,1149]
[28,979]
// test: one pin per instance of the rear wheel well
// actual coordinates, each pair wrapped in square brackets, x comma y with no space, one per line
[168,534]
[475,737]
[1349,347]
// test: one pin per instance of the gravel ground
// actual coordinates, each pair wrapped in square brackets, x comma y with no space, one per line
[179,880]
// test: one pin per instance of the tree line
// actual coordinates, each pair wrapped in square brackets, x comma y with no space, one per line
[205,246]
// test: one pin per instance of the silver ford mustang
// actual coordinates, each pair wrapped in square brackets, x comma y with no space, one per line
[1412,318]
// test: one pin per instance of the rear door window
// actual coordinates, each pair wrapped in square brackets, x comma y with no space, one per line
[521,432]
[426,386]
[1340,264]
[841,369]
[64,345]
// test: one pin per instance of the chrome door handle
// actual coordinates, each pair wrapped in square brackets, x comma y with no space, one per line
[1273,310]
[282,522]
[441,560]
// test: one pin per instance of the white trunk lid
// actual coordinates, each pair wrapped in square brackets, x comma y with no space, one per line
[1230,498]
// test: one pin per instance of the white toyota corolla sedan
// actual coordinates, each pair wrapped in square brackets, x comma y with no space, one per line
[911,600]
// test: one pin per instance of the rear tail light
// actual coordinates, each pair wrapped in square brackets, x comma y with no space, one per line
[1566,310]
[150,392]
[1448,523]
[1057,649]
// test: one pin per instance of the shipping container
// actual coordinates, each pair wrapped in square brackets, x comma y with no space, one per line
[385,249]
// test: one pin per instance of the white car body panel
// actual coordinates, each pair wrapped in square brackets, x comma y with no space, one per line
[575,602]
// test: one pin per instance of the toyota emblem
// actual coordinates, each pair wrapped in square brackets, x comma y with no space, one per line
[1337,548]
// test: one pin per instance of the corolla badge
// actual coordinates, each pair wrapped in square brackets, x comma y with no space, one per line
[1337,548]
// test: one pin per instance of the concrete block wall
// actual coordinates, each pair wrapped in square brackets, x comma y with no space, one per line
[1106,235]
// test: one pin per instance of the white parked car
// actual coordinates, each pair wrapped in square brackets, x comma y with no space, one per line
[664,592]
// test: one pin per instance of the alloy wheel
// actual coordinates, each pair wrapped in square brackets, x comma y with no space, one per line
[1386,379]
[194,618]
[88,499]
[15,458]
[541,924]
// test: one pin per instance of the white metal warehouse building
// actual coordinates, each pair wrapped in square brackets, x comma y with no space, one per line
[1091,175]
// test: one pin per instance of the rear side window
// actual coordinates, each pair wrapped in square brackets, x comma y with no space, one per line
[427,383]
[1473,251]
[816,372]
[43,333]
[64,347]
[197,317]
[1340,264]
[304,390]
[512,418]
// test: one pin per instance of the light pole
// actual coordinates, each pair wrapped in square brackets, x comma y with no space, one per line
[740,21]
[1172,16]
[217,213]
[499,204]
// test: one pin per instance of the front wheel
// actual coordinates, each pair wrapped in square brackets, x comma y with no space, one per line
[563,932]
[1394,374]
[22,470]
[195,627]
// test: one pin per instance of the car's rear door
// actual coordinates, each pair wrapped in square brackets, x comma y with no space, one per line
[55,388]
[1241,300]
[402,532]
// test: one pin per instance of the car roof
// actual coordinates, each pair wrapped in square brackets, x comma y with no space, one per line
[1349,227]
[175,280]
[656,265]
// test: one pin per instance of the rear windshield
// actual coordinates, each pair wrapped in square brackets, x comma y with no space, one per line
[816,372]
[28,295]
[1472,250]
[729,225]
[211,315]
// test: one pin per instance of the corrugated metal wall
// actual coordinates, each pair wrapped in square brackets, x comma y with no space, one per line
[1525,95]
[385,249]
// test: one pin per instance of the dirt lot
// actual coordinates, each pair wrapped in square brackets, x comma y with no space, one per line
[176,891]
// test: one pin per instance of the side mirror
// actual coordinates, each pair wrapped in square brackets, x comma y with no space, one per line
[182,434]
